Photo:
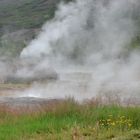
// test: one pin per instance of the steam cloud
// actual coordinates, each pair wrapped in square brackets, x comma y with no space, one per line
[88,44]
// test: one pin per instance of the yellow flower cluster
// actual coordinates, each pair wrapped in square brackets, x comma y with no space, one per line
[121,122]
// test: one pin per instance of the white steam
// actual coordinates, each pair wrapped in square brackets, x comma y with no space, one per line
[88,44]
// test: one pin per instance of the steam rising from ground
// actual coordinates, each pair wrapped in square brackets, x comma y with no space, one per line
[88,44]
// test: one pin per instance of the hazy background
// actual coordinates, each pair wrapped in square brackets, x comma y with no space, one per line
[92,46]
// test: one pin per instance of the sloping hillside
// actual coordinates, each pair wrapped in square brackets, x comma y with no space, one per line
[20,21]
[17,14]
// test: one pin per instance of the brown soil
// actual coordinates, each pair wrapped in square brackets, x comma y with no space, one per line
[11,102]
[26,105]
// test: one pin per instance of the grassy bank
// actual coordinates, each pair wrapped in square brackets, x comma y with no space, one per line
[26,14]
[71,121]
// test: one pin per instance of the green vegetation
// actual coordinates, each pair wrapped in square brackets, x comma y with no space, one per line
[29,15]
[135,44]
[19,20]
[71,121]
[26,14]
[67,120]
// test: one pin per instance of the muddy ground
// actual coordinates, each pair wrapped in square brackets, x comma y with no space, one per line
[10,102]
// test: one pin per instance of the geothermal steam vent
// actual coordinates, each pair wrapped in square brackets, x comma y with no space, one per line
[86,50]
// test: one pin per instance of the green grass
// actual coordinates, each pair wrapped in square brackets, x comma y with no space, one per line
[27,13]
[71,121]
[23,14]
